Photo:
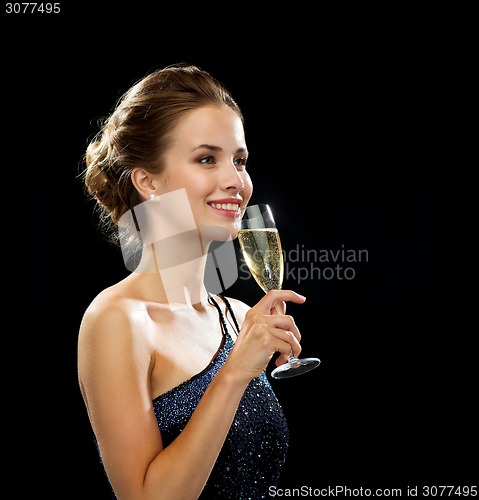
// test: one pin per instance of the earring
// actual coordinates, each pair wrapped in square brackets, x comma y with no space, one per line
[152,196]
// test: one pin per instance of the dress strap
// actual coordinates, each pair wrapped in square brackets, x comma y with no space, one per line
[212,301]
[230,310]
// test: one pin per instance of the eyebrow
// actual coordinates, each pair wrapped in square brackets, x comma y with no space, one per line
[211,147]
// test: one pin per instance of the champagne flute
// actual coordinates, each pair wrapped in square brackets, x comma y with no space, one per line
[260,245]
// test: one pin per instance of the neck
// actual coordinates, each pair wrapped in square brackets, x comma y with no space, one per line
[174,271]
[184,284]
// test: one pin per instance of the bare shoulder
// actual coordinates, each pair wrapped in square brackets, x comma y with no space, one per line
[106,318]
[108,348]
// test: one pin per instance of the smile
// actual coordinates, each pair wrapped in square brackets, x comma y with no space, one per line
[226,206]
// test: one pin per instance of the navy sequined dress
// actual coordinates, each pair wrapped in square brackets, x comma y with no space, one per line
[254,451]
[255,447]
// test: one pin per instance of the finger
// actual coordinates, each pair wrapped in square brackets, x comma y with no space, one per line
[279,308]
[287,342]
[274,297]
[284,323]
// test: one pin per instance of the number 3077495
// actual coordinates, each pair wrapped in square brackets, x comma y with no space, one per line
[32,8]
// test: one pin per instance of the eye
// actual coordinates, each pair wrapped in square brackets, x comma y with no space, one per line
[207,160]
[241,163]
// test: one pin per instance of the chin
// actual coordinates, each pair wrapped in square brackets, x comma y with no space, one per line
[219,233]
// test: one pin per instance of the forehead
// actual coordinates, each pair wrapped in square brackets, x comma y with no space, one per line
[210,124]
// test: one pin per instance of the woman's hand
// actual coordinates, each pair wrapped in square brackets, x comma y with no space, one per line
[266,329]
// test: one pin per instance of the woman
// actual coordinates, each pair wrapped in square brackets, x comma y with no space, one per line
[173,377]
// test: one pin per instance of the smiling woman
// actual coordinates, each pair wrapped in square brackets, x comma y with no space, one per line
[173,377]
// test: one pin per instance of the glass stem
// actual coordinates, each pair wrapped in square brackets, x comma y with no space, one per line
[292,357]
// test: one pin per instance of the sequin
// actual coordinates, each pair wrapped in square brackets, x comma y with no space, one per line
[255,448]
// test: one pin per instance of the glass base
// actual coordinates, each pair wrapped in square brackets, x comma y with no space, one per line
[295,367]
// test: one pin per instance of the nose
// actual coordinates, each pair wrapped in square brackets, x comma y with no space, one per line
[231,179]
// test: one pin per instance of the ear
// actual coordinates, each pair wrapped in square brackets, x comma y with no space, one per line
[143,182]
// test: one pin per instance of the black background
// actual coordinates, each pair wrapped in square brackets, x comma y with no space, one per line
[341,112]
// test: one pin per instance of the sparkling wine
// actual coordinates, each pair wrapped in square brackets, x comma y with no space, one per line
[261,248]
[262,251]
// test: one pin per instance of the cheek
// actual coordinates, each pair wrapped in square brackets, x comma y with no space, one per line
[200,185]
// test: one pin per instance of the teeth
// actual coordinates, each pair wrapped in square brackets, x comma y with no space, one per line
[226,206]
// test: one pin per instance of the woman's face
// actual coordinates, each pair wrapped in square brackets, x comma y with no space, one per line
[207,158]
